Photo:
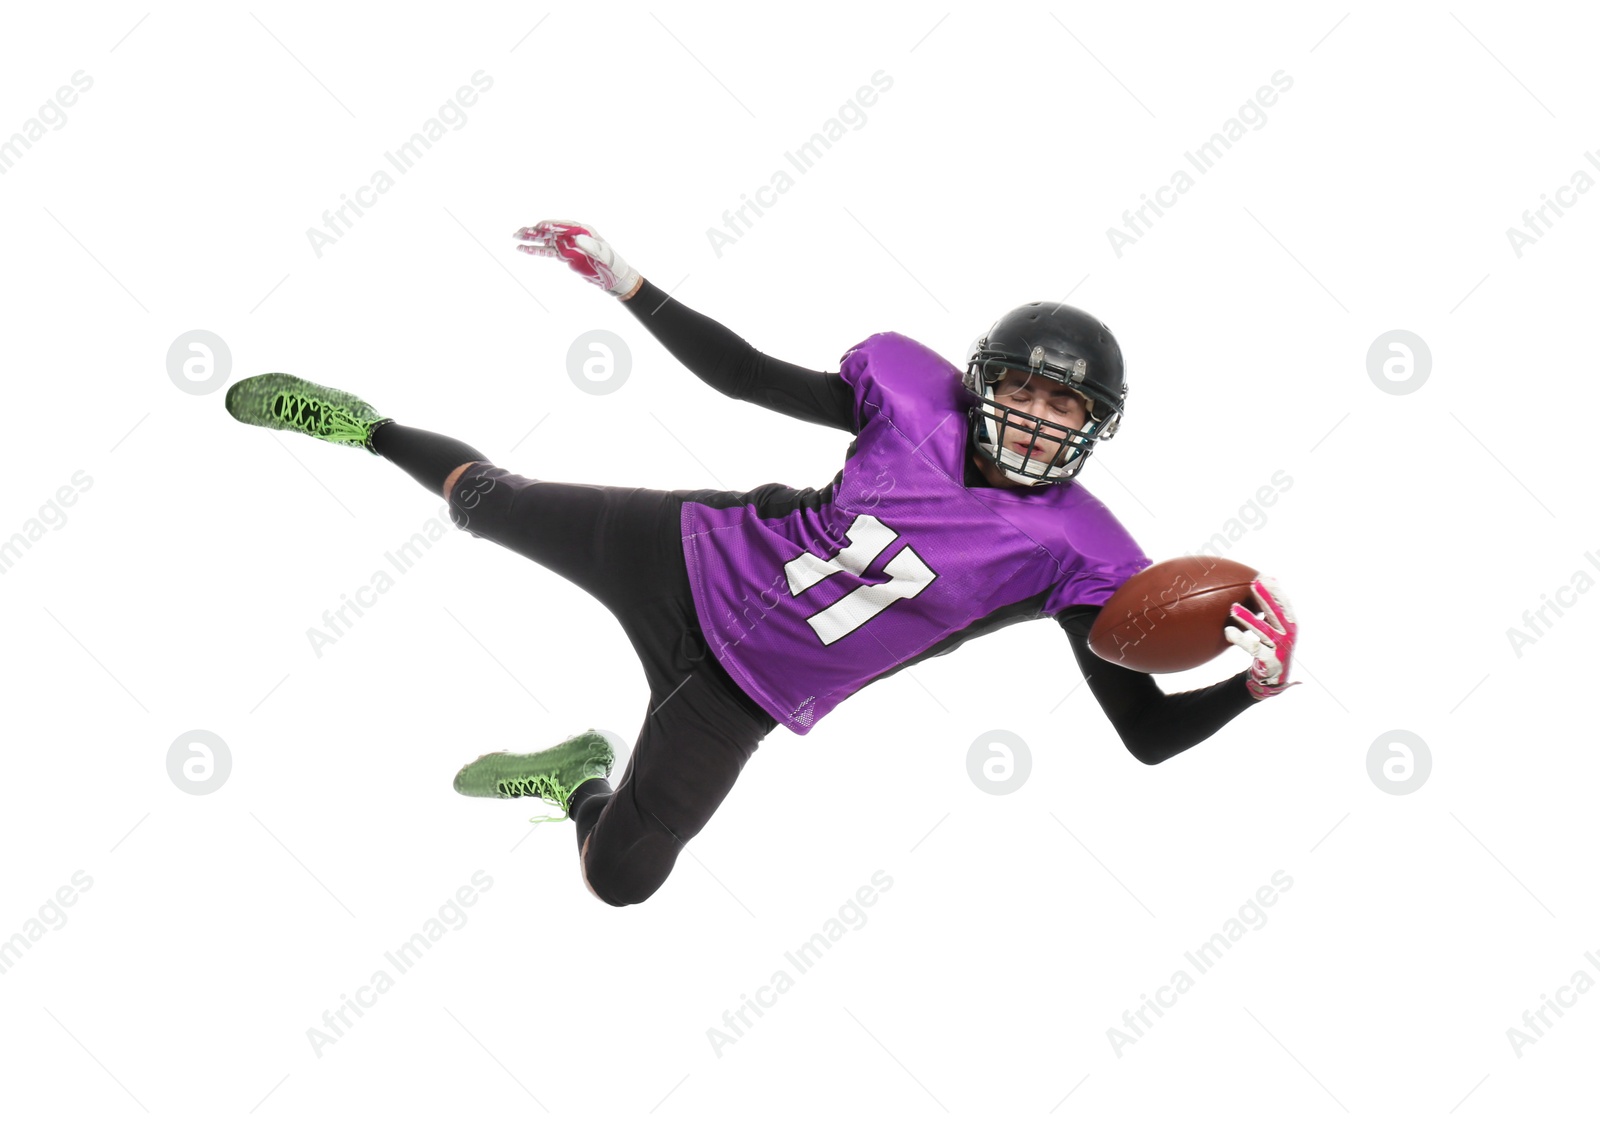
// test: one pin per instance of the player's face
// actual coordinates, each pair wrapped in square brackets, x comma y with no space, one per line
[1045,398]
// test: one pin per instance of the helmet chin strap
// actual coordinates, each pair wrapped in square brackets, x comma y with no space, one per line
[1011,460]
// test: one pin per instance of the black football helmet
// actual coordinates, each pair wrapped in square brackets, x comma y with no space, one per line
[1050,341]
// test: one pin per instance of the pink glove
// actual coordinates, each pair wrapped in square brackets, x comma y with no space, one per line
[584,250]
[1270,643]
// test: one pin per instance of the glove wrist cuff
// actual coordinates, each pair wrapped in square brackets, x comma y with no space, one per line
[627,279]
[1261,691]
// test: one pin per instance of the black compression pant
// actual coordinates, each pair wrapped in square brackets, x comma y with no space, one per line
[426,456]
[624,546]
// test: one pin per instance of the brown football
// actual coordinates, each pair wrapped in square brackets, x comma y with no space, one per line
[1170,616]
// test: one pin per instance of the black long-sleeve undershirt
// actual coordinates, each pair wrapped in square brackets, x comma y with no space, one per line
[1154,725]
[728,363]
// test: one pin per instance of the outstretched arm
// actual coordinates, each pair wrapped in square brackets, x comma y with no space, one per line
[718,356]
[1154,725]
[728,363]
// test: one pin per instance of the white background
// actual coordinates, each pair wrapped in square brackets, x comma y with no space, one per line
[179,591]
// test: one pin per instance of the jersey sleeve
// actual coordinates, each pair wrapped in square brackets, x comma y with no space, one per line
[1104,556]
[1093,582]
[866,393]
[891,374]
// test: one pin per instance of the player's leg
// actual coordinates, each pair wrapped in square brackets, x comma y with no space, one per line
[697,737]
[455,476]
[429,458]
[699,730]
[571,529]
[595,536]
[625,546]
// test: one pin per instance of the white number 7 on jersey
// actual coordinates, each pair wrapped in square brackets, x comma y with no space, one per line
[868,536]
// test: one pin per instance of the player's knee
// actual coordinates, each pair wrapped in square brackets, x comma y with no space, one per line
[455,475]
[621,881]
[607,882]
[614,891]
[588,882]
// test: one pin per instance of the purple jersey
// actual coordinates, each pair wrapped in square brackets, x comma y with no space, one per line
[807,596]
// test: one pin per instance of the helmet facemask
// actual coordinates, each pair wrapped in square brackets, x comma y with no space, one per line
[996,426]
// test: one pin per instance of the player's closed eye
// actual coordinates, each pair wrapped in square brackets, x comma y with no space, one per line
[1060,400]
[1015,386]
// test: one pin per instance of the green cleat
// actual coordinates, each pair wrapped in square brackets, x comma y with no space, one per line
[551,775]
[284,402]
